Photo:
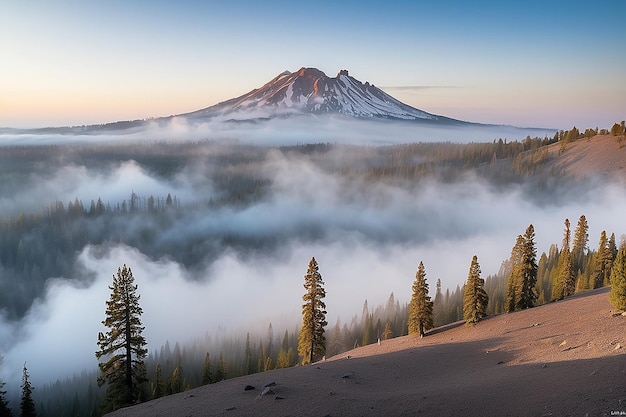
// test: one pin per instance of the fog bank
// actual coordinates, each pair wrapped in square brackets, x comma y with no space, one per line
[249,256]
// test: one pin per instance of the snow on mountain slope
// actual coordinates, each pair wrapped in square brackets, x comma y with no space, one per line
[310,91]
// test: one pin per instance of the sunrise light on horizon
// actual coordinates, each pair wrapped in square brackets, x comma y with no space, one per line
[541,64]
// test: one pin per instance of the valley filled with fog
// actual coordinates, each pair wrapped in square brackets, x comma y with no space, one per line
[219,233]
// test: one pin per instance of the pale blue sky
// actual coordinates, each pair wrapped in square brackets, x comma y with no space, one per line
[532,63]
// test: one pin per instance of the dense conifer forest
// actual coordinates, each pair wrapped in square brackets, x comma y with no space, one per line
[41,240]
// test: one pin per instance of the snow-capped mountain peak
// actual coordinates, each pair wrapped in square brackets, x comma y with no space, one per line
[310,91]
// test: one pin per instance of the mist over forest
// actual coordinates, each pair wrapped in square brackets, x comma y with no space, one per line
[269,128]
[218,233]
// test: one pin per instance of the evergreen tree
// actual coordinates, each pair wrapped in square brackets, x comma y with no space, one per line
[368,333]
[612,246]
[283,353]
[122,346]
[388,332]
[580,244]
[475,299]
[529,270]
[248,359]
[521,290]
[603,262]
[311,341]
[618,280]
[270,342]
[4,403]
[566,280]
[220,372]
[207,373]
[5,411]
[514,283]
[176,382]
[27,405]
[438,305]
[334,345]
[157,387]
[420,306]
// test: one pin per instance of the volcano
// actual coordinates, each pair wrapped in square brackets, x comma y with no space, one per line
[310,91]
[302,107]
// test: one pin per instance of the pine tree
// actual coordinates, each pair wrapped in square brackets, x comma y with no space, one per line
[176,382]
[521,290]
[333,345]
[270,342]
[311,341]
[420,306]
[207,373]
[157,387]
[566,280]
[27,405]
[529,270]
[603,263]
[122,346]
[475,299]
[388,332]
[368,333]
[581,243]
[248,359]
[5,411]
[220,372]
[4,403]
[514,283]
[283,354]
[612,246]
[618,280]
[438,305]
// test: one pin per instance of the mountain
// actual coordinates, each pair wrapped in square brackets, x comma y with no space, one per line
[310,91]
[300,107]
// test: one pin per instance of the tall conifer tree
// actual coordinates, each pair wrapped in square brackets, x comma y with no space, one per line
[157,388]
[438,305]
[4,403]
[618,279]
[612,246]
[529,270]
[603,262]
[521,290]
[221,371]
[580,244]
[5,411]
[420,306]
[27,405]
[566,281]
[207,373]
[122,346]
[475,299]
[514,284]
[311,341]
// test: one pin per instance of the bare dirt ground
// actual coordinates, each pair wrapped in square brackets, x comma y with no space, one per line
[600,156]
[561,359]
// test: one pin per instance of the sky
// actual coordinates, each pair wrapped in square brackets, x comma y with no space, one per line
[543,63]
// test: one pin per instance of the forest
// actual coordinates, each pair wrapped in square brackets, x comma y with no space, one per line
[172,201]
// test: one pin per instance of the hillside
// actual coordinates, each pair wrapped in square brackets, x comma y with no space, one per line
[600,156]
[564,358]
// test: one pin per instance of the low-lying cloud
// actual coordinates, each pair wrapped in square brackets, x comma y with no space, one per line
[367,237]
[262,130]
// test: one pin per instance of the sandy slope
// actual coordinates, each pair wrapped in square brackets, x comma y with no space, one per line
[600,156]
[564,358]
